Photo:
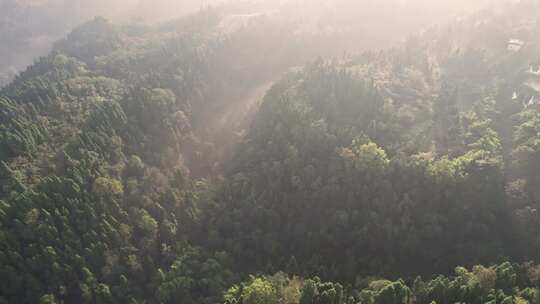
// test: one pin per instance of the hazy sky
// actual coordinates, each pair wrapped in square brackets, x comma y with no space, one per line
[165,9]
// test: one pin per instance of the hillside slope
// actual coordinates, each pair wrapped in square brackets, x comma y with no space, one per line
[139,166]
[404,162]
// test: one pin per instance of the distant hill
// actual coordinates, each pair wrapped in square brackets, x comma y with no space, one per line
[29,27]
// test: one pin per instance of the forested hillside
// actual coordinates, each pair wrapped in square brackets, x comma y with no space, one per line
[28,28]
[139,166]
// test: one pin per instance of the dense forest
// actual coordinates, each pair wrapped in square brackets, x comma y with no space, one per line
[28,28]
[142,164]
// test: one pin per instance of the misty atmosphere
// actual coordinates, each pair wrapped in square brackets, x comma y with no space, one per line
[270,152]
[28,28]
